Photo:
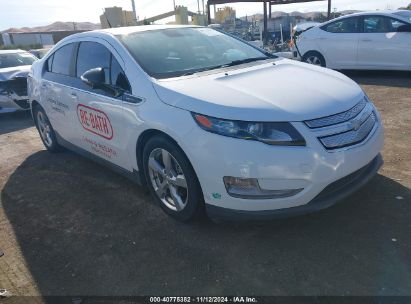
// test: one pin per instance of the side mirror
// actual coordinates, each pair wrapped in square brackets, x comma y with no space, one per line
[406,28]
[95,78]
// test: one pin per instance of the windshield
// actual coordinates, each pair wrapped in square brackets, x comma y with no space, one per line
[182,51]
[404,14]
[16,59]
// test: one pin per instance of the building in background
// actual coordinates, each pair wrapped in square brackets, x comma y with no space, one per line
[117,17]
[181,14]
[35,38]
[225,15]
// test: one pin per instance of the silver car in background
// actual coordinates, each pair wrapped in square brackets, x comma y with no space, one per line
[14,68]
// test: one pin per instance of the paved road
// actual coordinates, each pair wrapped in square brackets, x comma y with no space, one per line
[69,226]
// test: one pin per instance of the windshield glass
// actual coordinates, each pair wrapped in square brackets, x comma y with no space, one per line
[181,51]
[404,14]
[16,59]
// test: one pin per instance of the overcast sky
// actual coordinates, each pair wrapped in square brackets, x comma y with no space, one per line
[19,13]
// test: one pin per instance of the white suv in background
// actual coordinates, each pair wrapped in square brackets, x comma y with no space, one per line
[207,121]
[369,41]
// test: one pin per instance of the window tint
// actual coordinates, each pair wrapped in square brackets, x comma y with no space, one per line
[93,55]
[62,60]
[347,25]
[50,63]
[381,24]
[396,24]
[178,51]
[117,76]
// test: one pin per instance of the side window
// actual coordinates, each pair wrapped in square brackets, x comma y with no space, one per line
[50,63]
[380,24]
[117,76]
[396,24]
[61,62]
[93,55]
[347,25]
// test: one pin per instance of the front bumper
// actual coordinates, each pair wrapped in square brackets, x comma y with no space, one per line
[12,102]
[311,168]
[331,195]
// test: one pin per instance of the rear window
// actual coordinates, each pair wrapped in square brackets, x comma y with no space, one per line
[10,60]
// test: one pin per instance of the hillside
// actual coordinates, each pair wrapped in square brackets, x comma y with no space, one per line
[308,15]
[56,26]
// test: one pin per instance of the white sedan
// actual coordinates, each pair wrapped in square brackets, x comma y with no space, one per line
[14,68]
[363,41]
[207,121]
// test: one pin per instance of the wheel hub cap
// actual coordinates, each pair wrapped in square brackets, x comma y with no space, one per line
[168,179]
[44,128]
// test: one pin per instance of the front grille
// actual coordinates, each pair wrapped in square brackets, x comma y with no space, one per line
[352,137]
[337,118]
[345,129]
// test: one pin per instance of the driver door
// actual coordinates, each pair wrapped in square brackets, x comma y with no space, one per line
[99,119]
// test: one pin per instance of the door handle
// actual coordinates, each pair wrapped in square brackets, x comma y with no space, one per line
[44,85]
[74,95]
[366,40]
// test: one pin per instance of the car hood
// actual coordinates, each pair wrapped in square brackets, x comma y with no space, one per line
[14,72]
[282,90]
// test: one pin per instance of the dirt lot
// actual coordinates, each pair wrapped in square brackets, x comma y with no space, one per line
[71,227]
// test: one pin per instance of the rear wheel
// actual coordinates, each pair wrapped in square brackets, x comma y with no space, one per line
[314,58]
[47,134]
[172,180]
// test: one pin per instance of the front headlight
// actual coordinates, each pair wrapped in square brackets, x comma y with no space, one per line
[272,133]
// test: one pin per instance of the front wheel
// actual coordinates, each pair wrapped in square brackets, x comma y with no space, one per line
[47,134]
[314,58]
[172,180]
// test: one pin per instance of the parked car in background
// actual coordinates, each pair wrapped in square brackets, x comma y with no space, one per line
[39,53]
[207,121]
[14,68]
[369,41]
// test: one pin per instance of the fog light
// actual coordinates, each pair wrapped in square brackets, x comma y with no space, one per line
[248,188]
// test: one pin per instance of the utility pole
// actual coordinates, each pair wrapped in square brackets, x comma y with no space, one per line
[198,6]
[329,10]
[133,5]
[174,3]
[203,8]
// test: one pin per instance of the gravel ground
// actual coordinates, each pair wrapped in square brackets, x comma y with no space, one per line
[71,227]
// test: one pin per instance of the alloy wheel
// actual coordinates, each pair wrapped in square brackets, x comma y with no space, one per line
[44,128]
[315,60]
[168,179]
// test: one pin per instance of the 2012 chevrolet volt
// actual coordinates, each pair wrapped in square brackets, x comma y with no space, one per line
[206,121]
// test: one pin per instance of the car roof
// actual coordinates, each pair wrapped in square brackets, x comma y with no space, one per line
[130,29]
[11,51]
[389,13]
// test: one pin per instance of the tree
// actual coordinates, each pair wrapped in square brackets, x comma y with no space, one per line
[407,7]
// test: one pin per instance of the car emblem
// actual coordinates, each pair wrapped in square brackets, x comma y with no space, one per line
[355,125]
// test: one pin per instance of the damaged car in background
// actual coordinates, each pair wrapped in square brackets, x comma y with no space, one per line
[14,68]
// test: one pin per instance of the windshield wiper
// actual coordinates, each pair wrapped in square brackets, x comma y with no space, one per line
[247,60]
[205,69]
[232,63]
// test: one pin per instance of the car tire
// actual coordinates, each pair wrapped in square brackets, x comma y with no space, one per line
[314,58]
[172,180]
[46,131]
